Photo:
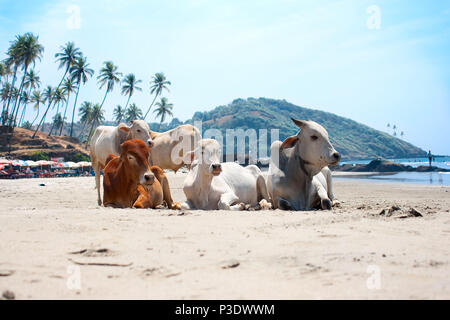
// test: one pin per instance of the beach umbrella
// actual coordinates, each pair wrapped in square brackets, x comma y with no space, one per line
[71,164]
[31,163]
[5,161]
[84,164]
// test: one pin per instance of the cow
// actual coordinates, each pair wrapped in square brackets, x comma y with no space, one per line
[107,140]
[211,185]
[129,181]
[299,177]
[170,147]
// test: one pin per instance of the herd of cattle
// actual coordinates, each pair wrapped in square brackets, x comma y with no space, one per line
[133,158]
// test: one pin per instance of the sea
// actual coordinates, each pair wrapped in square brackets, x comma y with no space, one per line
[426,178]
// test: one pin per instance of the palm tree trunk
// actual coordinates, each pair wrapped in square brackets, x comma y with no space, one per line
[9,98]
[82,129]
[65,111]
[19,99]
[53,123]
[156,96]
[74,106]
[129,96]
[106,93]
[37,115]
[42,120]
[22,116]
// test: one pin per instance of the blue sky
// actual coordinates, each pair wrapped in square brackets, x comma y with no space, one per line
[327,55]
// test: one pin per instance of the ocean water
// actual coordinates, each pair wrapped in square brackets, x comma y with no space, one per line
[428,178]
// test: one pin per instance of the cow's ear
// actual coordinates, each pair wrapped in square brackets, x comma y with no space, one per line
[124,127]
[289,142]
[299,123]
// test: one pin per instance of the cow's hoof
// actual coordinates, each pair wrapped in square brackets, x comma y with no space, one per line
[176,206]
[335,203]
[265,205]
[326,204]
[284,204]
[99,202]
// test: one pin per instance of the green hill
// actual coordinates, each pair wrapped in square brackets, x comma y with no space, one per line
[352,139]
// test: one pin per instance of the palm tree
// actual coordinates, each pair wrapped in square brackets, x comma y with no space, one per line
[37,99]
[157,85]
[67,58]
[108,76]
[133,113]
[29,50]
[13,59]
[32,81]
[58,121]
[85,114]
[163,109]
[48,96]
[79,73]
[129,86]
[58,97]
[402,134]
[25,99]
[5,95]
[68,87]
[96,118]
[119,114]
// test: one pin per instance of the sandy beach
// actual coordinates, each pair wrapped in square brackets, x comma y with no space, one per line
[56,243]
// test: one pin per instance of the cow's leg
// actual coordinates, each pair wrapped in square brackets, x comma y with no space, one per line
[325,202]
[227,202]
[262,194]
[328,178]
[283,204]
[159,174]
[96,167]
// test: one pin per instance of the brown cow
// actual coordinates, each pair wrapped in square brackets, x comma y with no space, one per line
[129,181]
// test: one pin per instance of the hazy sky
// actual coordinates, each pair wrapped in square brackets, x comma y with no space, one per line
[376,62]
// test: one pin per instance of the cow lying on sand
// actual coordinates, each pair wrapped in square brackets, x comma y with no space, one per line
[170,147]
[129,181]
[298,177]
[211,185]
[107,140]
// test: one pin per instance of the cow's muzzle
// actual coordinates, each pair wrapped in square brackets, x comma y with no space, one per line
[149,178]
[216,169]
[335,158]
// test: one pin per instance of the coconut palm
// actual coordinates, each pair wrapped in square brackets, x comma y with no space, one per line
[163,109]
[67,58]
[119,113]
[129,86]
[5,95]
[157,85]
[48,96]
[133,113]
[68,87]
[25,99]
[58,121]
[58,98]
[96,118]
[85,114]
[29,49]
[13,61]
[32,81]
[79,73]
[37,99]
[108,76]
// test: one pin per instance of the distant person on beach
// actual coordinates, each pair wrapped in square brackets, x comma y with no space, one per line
[430,157]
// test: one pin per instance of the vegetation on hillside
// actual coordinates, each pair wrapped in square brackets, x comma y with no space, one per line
[352,139]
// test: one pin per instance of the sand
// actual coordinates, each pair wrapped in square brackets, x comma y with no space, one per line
[56,243]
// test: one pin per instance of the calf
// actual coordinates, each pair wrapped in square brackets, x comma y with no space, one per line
[299,177]
[212,185]
[129,181]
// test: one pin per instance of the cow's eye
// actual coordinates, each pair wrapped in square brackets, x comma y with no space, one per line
[314,138]
[138,130]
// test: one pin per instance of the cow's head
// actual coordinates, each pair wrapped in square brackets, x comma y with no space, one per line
[137,130]
[312,145]
[134,155]
[206,156]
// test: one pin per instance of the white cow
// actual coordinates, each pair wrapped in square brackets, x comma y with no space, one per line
[170,147]
[107,140]
[211,185]
[299,177]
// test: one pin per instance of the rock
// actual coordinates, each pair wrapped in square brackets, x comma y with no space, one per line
[415,213]
[233,263]
[8,295]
